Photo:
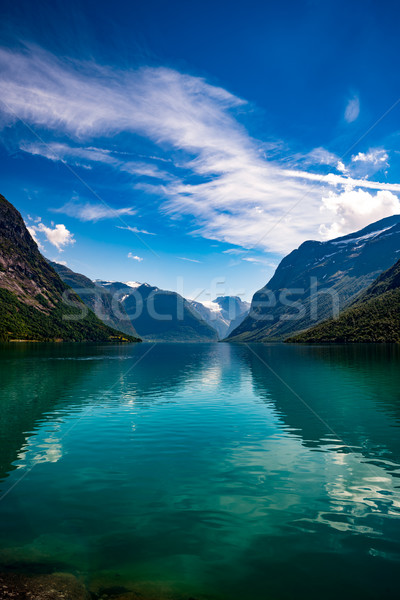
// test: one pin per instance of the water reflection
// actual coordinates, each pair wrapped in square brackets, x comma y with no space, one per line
[40,384]
[204,468]
[344,392]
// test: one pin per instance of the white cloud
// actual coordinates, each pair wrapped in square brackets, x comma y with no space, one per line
[89,99]
[355,208]
[59,236]
[228,188]
[93,212]
[86,156]
[33,233]
[341,167]
[60,262]
[61,152]
[374,156]
[135,230]
[233,251]
[134,257]
[252,259]
[319,156]
[338,180]
[144,169]
[189,259]
[352,109]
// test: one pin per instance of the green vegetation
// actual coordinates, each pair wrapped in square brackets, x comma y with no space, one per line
[179,322]
[31,293]
[374,317]
[23,322]
[98,299]
[309,276]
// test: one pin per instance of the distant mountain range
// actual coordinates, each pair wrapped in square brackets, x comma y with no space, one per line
[154,314]
[97,298]
[373,317]
[32,295]
[318,280]
[223,314]
[160,315]
[354,278]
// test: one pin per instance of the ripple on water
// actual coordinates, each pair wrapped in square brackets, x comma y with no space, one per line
[198,472]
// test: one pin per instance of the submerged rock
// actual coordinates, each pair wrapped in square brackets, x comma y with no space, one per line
[65,586]
[58,586]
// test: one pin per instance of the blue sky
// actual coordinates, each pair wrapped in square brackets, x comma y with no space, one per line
[192,145]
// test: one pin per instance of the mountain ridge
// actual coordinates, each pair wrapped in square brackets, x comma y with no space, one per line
[223,313]
[35,304]
[97,298]
[160,315]
[317,279]
[372,318]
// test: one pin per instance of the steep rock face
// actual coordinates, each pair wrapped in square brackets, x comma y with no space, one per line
[160,315]
[107,308]
[373,317]
[211,313]
[234,309]
[318,280]
[32,295]
[23,271]
[223,313]
[237,322]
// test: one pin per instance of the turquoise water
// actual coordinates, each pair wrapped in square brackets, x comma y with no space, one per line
[195,470]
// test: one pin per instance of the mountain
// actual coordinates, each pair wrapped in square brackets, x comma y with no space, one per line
[32,295]
[234,309]
[238,321]
[373,317]
[160,315]
[211,313]
[223,313]
[318,280]
[97,298]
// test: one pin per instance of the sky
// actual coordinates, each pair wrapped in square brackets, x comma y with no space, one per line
[192,145]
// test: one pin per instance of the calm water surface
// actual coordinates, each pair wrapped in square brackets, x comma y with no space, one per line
[194,470]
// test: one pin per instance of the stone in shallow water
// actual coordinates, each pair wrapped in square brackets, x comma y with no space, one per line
[58,586]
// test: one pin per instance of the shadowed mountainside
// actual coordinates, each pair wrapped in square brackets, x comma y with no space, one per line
[373,317]
[97,298]
[317,279]
[160,315]
[32,306]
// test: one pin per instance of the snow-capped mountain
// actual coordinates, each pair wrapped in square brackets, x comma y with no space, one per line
[222,313]
[160,315]
[319,279]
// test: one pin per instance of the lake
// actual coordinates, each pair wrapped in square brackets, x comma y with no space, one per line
[203,470]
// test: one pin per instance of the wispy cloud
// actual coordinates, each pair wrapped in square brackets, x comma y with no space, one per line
[321,156]
[88,156]
[60,151]
[352,109]
[253,259]
[93,212]
[189,259]
[228,188]
[135,230]
[233,251]
[134,257]
[145,170]
[89,100]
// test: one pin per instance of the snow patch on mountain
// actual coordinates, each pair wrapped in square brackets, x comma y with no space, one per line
[363,237]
